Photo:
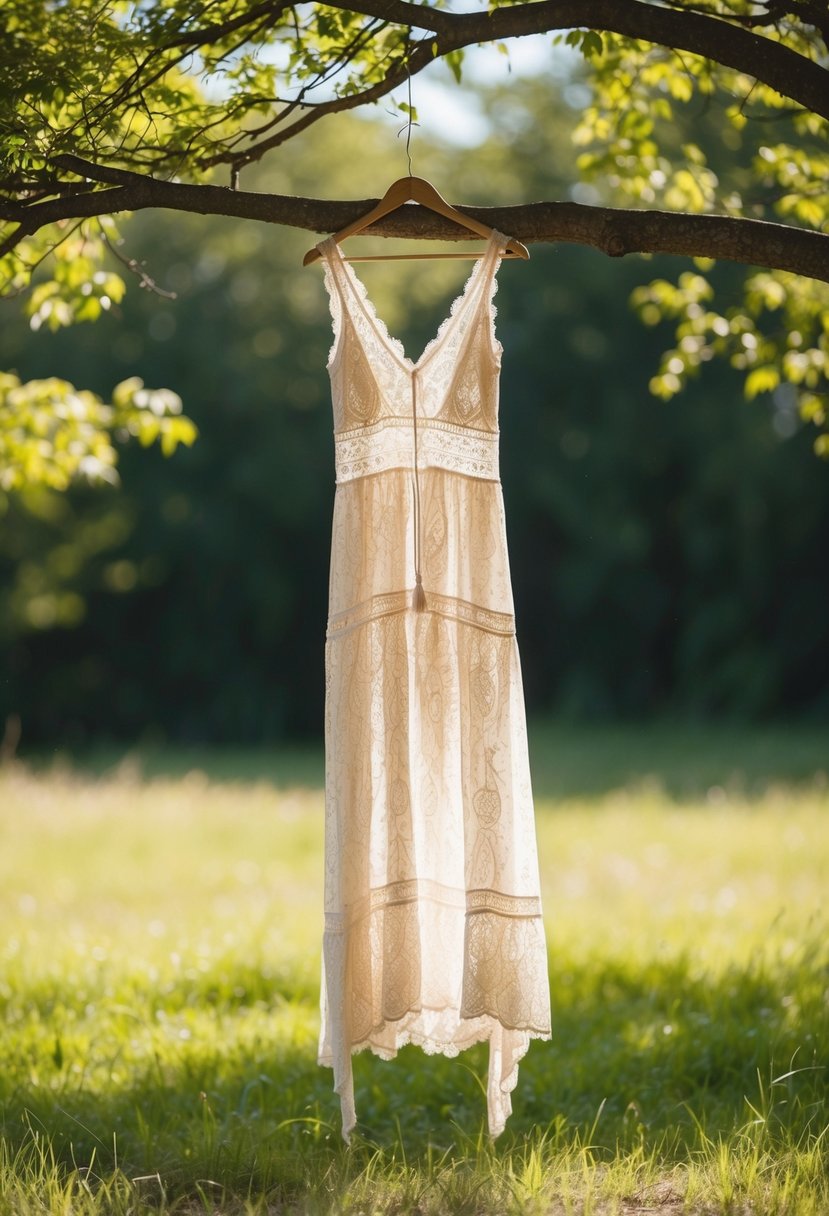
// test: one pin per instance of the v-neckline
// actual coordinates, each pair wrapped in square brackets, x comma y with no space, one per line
[394,345]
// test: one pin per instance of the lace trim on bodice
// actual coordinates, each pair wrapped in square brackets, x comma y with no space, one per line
[457,372]
[333,257]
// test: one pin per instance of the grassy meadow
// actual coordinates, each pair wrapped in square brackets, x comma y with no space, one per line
[160,927]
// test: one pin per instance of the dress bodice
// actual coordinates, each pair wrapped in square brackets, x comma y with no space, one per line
[454,382]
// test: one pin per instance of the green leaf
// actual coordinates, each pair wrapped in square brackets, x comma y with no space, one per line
[761,380]
[454,61]
[52,434]
[592,46]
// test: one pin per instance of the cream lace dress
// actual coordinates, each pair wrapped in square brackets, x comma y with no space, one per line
[433,930]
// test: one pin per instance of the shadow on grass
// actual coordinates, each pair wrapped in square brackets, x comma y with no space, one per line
[655,1058]
[567,760]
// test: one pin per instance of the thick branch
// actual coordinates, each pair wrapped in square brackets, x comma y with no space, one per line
[772,63]
[791,74]
[613,231]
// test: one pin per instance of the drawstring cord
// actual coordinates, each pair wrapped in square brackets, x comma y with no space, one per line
[419,595]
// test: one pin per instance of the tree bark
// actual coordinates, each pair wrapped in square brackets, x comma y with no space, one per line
[615,232]
[790,73]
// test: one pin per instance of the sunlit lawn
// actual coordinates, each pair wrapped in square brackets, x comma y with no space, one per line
[160,924]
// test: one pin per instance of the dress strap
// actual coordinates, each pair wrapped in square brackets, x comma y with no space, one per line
[488,284]
[333,278]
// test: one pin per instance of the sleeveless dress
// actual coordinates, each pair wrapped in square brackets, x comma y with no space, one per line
[433,930]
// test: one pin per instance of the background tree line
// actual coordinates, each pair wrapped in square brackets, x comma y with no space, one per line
[667,557]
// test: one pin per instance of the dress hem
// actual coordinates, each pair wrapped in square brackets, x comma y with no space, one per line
[434,1047]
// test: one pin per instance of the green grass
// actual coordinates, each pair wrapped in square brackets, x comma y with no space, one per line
[160,925]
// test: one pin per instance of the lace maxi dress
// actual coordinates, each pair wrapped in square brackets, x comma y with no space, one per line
[433,930]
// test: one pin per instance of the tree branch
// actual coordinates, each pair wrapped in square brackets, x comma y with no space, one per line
[613,231]
[772,63]
[790,73]
[213,33]
[422,54]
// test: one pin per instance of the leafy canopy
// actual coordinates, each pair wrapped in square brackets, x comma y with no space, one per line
[111,107]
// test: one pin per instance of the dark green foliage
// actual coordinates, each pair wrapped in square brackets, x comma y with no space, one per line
[667,556]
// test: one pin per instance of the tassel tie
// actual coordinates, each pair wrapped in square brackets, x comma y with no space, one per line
[418,595]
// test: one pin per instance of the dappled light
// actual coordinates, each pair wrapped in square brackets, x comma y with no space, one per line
[160,985]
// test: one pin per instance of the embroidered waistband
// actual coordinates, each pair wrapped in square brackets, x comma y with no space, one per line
[388,445]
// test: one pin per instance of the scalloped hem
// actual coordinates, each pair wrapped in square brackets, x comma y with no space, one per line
[507,1047]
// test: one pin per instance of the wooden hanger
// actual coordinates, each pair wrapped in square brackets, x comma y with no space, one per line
[416,190]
